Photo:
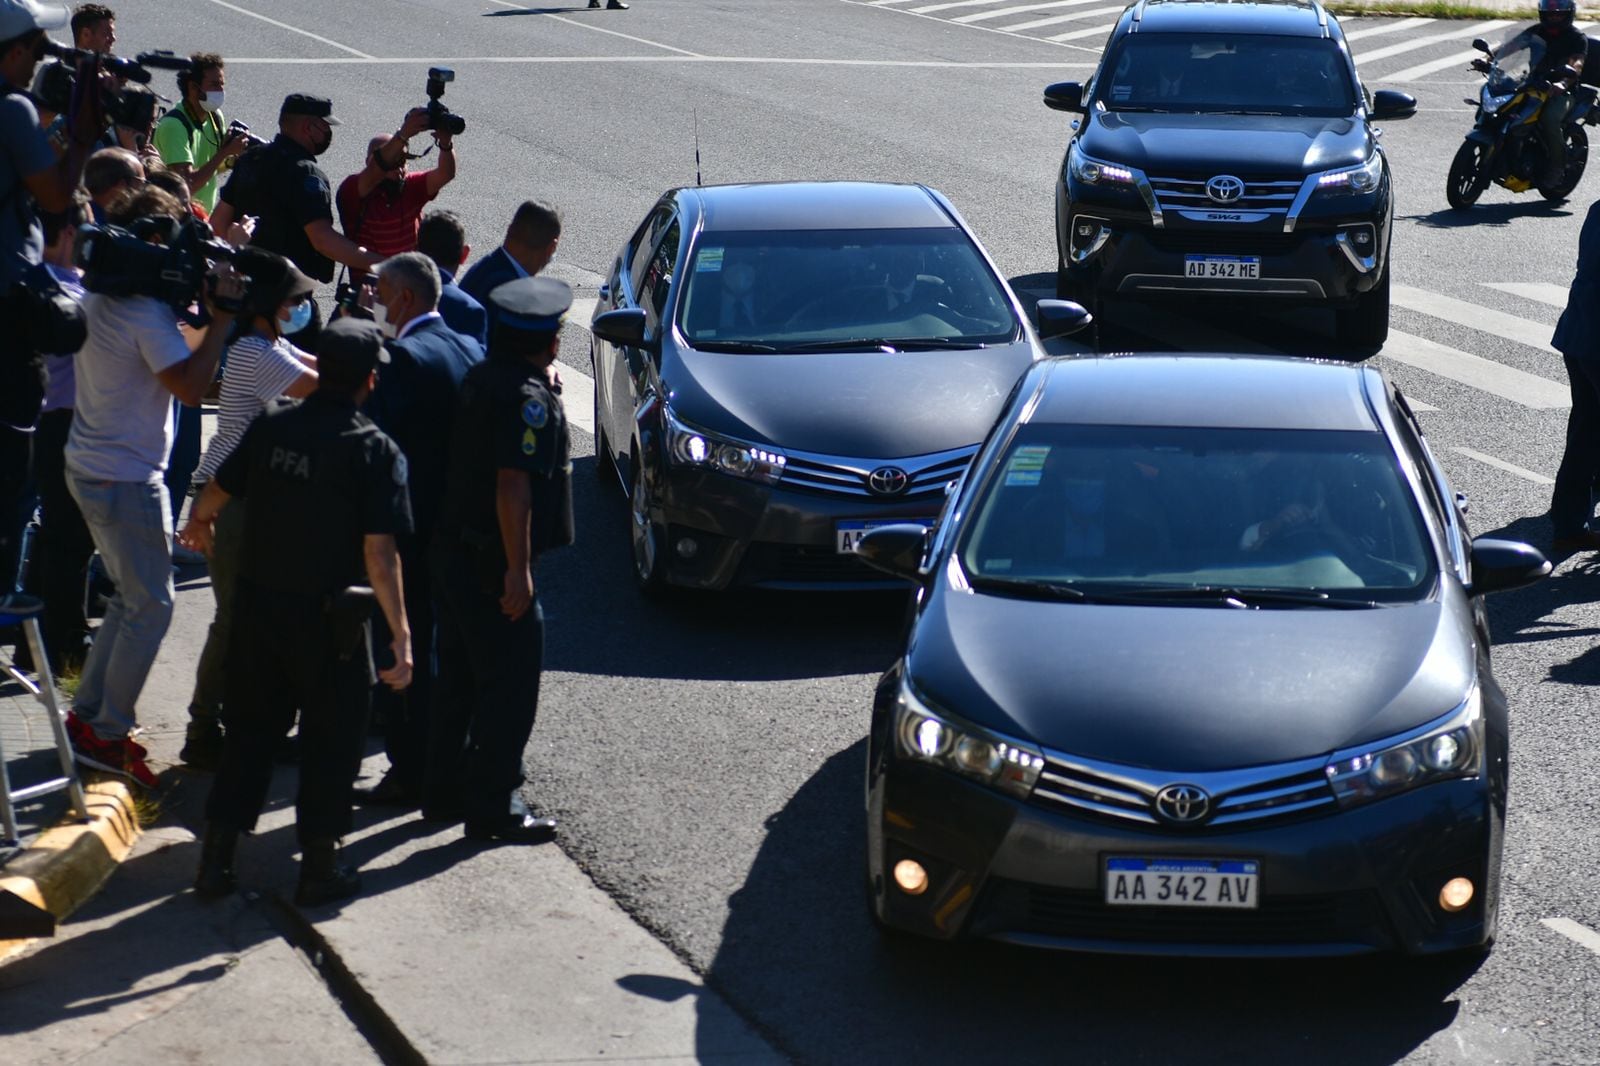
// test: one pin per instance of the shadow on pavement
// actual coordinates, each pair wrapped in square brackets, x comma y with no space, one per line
[800,956]
[1497,214]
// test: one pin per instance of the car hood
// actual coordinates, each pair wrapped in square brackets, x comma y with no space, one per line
[1242,145]
[870,405]
[1191,689]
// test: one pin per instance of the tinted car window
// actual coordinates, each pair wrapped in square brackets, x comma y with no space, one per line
[1118,507]
[1226,72]
[793,287]
[639,253]
[657,278]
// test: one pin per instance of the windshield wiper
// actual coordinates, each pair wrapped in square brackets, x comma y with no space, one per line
[735,347]
[1143,109]
[1021,586]
[1244,596]
[894,344]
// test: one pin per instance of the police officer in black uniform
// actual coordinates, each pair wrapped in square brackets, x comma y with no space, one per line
[328,497]
[508,499]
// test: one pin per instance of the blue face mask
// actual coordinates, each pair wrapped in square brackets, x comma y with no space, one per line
[299,318]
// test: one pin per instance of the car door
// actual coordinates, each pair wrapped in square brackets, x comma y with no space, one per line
[651,291]
[614,399]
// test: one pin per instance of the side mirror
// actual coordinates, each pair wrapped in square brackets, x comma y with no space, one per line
[1481,45]
[1498,565]
[1064,96]
[1061,318]
[1388,104]
[896,550]
[624,326]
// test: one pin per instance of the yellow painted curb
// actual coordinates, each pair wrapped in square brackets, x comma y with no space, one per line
[69,862]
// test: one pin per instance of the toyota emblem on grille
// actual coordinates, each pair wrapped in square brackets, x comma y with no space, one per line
[888,481]
[1225,188]
[1183,804]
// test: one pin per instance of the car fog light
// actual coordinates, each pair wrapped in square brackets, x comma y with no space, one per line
[1394,768]
[688,547]
[910,877]
[977,757]
[1453,897]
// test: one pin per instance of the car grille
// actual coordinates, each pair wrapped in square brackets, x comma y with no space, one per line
[1352,917]
[1221,240]
[1273,197]
[1122,795]
[830,475]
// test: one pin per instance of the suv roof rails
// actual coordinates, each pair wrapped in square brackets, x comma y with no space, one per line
[1138,15]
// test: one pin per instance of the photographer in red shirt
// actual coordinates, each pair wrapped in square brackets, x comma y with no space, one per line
[381,206]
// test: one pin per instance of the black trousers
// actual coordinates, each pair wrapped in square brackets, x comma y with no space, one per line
[16,501]
[405,714]
[282,655]
[1570,504]
[59,563]
[487,692]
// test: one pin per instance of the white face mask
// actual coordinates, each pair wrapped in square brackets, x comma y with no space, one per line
[211,100]
[381,312]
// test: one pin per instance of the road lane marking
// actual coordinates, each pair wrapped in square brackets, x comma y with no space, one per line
[946,64]
[1422,70]
[1392,27]
[1019,9]
[1103,31]
[928,9]
[1578,934]
[1091,49]
[1418,406]
[586,26]
[291,29]
[1483,319]
[1538,291]
[1474,30]
[1093,12]
[1501,464]
[1507,382]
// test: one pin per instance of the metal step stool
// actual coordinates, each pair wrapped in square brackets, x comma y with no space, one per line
[24,611]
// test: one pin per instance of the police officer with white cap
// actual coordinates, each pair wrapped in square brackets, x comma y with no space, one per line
[508,499]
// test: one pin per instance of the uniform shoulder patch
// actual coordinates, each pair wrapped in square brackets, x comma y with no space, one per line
[530,442]
[535,414]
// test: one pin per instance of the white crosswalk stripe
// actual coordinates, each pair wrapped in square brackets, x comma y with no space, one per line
[1460,33]
[1518,386]
[1538,291]
[1017,9]
[1387,27]
[1474,316]
[1092,31]
[1071,16]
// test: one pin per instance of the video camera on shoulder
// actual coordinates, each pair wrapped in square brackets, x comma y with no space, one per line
[133,105]
[119,261]
[440,118]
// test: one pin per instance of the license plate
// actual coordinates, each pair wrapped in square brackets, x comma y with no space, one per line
[1232,267]
[1183,883]
[849,534]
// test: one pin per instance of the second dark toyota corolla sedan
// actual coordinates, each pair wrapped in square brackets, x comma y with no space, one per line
[779,368]
[1199,665]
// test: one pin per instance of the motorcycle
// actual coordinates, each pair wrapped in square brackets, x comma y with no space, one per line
[1504,146]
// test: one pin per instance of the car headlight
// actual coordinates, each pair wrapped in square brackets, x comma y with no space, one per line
[1450,747]
[960,747]
[1094,172]
[1358,179]
[690,446]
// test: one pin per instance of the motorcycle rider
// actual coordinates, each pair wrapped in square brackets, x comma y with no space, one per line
[1564,46]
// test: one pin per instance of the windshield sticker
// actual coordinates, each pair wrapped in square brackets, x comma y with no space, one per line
[709,260]
[1121,92]
[1026,467]
[997,564]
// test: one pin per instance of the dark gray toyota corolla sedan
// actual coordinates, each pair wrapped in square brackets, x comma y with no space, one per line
[1198,665]
[779,368]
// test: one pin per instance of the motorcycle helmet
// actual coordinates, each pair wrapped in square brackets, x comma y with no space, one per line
[1556,16]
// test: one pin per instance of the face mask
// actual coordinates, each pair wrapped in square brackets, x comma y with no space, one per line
[318,149]
[299,317]
[211,100]
[381,312]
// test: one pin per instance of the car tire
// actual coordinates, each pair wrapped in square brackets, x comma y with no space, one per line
[1366,325]
[644,537]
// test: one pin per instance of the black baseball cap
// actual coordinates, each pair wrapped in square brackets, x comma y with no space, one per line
[351,348]
[302,104]
[273,279]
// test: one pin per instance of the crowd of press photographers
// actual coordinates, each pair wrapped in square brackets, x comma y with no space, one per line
[152,258]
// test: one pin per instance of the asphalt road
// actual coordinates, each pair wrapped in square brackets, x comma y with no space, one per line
[706,757]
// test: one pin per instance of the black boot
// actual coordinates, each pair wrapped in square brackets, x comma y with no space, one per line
[616,5]
[202,746]
[215,878]
[322,879]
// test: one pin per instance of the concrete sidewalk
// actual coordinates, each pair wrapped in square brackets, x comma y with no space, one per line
[454,952]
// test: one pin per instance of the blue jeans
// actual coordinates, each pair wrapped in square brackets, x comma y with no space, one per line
[132,528]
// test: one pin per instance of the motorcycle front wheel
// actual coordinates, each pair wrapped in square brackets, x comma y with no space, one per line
[1577,159]
[1468,177]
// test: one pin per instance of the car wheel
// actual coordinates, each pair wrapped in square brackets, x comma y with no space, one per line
[1366,325]
[1577,159]
[645,537]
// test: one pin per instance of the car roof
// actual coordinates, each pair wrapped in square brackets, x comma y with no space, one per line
[803,205]
[1296,18]
[1211,391]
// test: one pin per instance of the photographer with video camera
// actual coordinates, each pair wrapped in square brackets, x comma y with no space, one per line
[141,278]
[194,139]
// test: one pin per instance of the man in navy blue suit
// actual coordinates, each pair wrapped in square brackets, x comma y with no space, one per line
[529,245]
[1577,338]
[442,238]
[414,403]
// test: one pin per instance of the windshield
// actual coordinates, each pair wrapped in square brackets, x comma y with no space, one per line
[815,289]
[1136,509]
[1223,73]
[1516,56]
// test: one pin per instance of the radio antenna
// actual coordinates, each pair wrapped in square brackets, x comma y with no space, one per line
[696,147]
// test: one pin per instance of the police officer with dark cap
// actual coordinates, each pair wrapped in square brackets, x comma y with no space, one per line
[508,499]
[281,185]
[328,497]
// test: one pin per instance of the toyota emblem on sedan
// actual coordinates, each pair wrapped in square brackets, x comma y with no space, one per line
[888,481]
[1183,804]
[1225,188]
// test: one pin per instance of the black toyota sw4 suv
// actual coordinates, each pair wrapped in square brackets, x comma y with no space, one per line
[1226,151]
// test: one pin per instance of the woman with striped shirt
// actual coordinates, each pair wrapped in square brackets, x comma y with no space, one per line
[262,365]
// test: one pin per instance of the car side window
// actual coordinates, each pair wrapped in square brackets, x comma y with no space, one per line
[656,282]
[639,251]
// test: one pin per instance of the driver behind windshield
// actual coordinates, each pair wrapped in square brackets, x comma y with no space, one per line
[1563,46]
